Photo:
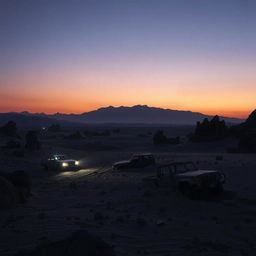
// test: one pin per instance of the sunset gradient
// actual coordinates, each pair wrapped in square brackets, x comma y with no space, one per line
[76,56]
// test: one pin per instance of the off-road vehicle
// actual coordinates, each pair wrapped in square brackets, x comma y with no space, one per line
[137,161]
[193,181]
[59,162]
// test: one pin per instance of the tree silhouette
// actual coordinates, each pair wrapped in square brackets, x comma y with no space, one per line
[159,137]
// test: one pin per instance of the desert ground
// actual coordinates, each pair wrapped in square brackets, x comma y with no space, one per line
[126,208]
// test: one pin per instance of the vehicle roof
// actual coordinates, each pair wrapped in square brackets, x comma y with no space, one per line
[196,173]
[177,163]
[143,154]
[122,162]
[182,163]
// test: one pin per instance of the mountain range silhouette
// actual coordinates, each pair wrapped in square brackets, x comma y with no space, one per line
[138,114]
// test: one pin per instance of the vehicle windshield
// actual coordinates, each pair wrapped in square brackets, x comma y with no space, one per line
[135,158]
[60,157]
[180,168]
[184,167]
[142,157]
[191,167]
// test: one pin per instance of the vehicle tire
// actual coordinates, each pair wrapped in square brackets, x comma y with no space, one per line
[194,193]
[218,189]
[119,168]
[59,169]
[45,166]
[184,188]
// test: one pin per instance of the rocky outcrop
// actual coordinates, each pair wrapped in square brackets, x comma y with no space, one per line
[212,130]
[250,123]
[246,135]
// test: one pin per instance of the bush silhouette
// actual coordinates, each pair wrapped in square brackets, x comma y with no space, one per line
[160,138]
[32,142]
[95,133]
[75,136]
[54,128]
[9,129]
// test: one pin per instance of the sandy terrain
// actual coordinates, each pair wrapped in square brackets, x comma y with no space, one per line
[128,210]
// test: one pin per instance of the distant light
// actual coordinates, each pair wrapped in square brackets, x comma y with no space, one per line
[64,164]
[77,162]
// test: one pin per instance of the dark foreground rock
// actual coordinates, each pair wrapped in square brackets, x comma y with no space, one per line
[8,196]
[22,182]
[15,188]
[79,243]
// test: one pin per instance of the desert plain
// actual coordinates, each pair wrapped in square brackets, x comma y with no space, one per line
[127,208]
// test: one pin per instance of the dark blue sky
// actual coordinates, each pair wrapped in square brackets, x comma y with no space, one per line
[180,47]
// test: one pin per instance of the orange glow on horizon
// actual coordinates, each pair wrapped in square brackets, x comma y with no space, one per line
[54,93]
[79,108]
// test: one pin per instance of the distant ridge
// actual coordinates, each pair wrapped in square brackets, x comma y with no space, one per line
[138,114]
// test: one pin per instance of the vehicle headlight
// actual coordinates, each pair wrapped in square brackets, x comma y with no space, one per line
[77,163]
[65,164]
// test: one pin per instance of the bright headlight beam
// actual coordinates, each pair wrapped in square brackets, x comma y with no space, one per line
[64,164]
[77,163]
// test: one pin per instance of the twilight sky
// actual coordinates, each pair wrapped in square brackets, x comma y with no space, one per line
[76,56]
